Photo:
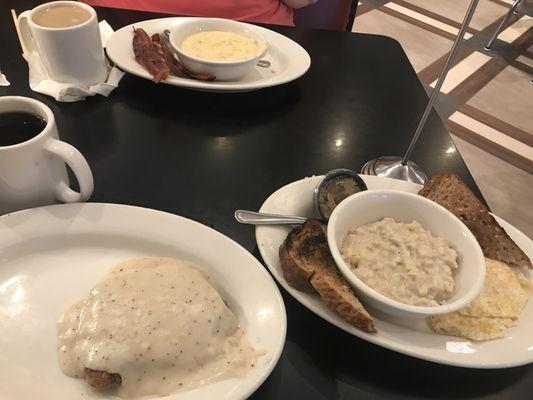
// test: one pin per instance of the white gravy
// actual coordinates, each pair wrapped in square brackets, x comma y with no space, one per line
[157,322]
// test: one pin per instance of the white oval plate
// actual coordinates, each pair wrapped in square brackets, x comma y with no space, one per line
[288,59]
[409,337]
[51,256]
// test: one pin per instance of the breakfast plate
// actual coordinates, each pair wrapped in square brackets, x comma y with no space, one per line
[53,255]
[288,59]
[407,336]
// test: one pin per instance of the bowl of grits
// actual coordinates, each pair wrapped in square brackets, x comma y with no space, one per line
[227,49]
[405,255]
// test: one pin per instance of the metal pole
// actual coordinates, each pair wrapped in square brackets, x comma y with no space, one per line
[440,81]
[514,9]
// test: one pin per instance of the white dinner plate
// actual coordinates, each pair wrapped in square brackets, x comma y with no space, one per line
[288,59]
[411,337]
[51,256]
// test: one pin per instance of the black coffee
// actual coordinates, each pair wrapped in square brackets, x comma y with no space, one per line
[17,127]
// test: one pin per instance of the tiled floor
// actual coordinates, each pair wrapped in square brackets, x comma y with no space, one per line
[487,99]
[492,99]
[486,13]
[506,188]
[422,47]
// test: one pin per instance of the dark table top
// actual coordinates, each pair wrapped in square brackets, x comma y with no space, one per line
[203,155]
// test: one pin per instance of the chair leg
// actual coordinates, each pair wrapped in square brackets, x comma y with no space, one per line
[505,19]
[351,16]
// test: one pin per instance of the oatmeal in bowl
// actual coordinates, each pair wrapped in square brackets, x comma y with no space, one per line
[405,255]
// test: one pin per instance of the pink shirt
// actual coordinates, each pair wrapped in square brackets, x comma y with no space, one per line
[267,11]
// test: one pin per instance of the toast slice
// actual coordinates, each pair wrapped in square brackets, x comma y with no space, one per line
[449,191]
[307,265]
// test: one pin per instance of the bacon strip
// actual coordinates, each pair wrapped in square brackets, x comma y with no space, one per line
[155,55]
[177,68]
[147,54]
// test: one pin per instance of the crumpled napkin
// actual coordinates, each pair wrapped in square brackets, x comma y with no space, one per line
[3,80]
[70,92]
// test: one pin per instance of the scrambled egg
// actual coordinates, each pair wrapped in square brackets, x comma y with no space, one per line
[505,294]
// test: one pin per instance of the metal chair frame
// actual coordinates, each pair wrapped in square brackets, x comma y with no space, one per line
[515,8]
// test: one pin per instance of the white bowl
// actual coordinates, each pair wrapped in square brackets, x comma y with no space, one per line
[373,205]
[222,70]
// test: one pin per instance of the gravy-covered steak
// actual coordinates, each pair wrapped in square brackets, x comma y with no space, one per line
[102,380]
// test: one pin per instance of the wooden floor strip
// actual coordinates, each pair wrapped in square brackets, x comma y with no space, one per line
[475,82]
[426,19]
[433,70]
[490,147]
[498,124]
[362,9]
[522,67]
[433,15]
[528,53]
[463,70]
[525,40]
[505,4]
[414,21]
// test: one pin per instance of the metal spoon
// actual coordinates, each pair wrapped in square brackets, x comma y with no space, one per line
[256,218]
[166,36]
[260,63]
[330,191]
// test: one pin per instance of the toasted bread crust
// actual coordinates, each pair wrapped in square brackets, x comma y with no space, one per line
[307,265]
[102,380]
[298,277]
[450,192]
[342,300]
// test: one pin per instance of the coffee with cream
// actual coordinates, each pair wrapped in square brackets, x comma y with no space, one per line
[66,37]
[61,16]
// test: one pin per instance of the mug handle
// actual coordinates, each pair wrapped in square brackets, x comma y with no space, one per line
[26,38]
[78,164]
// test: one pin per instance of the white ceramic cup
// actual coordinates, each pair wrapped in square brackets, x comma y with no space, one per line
[69,55]
[33,173]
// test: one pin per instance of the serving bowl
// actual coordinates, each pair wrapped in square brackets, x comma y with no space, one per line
[373,205]
[222,70]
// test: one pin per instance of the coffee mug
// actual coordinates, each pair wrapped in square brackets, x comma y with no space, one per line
[33,172]
[70,52]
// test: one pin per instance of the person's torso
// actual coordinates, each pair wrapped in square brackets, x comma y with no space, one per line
[268,11]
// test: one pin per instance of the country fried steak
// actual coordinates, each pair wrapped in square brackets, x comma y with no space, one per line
[102,380]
